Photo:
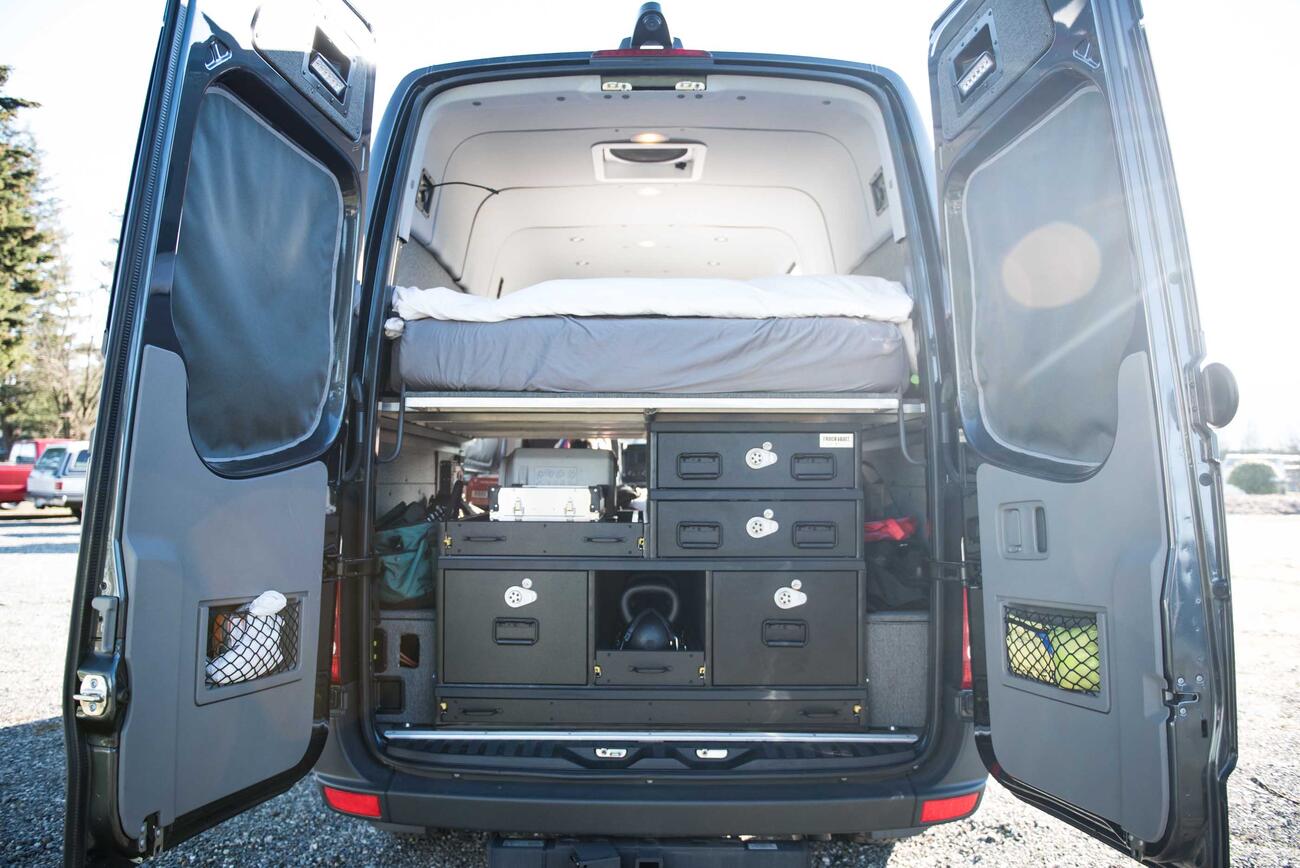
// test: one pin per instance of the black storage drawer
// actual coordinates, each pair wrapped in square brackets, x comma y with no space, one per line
[772,459]
[514,627]
[577,539]
[813,640]
[709,711]
[758,528]
[672,668]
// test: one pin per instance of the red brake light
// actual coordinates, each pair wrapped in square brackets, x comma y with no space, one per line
[649,52]
[967,678]
[58,486]
[356,804]
[336,657]
[952,808]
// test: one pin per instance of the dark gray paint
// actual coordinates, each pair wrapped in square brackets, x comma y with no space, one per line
[1107,548]
[647,354]
[253,299]
[189,538]
[416,266]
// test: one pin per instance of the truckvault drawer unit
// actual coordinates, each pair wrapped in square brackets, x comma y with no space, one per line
[514,627]
[771,527]
[762,459]
[785,628]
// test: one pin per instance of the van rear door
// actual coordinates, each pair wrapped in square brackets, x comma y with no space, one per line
[228,348]
[1098,577]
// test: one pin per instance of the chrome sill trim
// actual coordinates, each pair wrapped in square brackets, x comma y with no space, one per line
[607,736]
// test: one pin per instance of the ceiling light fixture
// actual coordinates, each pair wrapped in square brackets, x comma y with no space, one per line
[646,243]
[649,138]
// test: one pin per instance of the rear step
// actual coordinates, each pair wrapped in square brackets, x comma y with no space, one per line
[632,853]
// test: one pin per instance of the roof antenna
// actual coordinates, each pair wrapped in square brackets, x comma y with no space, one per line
[651,29]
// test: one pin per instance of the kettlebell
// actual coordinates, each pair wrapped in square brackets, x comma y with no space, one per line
[649,630]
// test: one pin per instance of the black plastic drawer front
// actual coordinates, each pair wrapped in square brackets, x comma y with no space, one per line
[514,627]
[677,668]
[763,459]
[710,711]
[585,539]
[758,528]
[785,628]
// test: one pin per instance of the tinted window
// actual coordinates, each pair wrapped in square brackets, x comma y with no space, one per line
[253,298]
[51,460]
[1053,293]
[81,462]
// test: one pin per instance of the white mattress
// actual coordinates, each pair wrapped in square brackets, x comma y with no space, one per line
[783,297]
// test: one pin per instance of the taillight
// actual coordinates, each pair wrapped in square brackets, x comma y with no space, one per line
[967,678]
[58,486]
[952,808]
[336,657]
[356,804]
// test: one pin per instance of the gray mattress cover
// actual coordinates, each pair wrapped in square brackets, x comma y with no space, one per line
[653,354]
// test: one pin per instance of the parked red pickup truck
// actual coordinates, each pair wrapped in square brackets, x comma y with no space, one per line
[15,470]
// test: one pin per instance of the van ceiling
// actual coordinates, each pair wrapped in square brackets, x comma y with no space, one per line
[777,177]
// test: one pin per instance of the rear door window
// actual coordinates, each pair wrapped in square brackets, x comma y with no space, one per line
[80,463]
[23,453]
[50,460]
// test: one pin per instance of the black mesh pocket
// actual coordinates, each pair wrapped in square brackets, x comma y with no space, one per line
[1056,648]
[242,647]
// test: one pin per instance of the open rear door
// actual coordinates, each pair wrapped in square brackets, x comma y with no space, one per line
[1098,572]
[216,448]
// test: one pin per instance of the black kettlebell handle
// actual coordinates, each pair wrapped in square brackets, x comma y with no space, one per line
[626,603]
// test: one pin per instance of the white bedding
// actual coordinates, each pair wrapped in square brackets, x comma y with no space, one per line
[783,297]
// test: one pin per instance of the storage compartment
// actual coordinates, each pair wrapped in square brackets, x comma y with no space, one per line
[403,656]
[559,467]
[526,538]
[650,668]
[650,628]
[842,712]
[785,628]
[771,527]
[763,459]
[514,627]
[898,654]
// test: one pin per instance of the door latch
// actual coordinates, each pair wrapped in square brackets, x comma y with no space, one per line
[92,696]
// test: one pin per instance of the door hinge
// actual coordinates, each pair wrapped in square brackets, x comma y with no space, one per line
[338,567]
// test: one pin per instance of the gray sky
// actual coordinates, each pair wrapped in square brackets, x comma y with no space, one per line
[1232,124]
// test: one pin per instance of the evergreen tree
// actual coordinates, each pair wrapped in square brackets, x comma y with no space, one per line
[28,250]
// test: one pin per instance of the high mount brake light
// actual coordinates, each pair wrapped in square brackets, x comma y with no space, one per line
[641,53]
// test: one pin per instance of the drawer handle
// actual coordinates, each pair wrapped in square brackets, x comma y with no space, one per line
[604,539]
[785,634]
[651,670]
[815,534]
[515,631]
[699,535]
[812,466]
[482,539]
[819,713]
[699,465]
[479,712]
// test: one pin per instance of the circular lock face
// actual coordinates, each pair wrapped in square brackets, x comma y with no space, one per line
[767,513]
[796,584]
[527,583]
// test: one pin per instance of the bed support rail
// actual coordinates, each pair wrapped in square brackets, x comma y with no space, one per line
[902,435]
[401,424]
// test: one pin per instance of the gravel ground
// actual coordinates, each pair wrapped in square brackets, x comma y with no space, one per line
[37,556]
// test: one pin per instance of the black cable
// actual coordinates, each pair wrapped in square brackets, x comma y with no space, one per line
[491,190]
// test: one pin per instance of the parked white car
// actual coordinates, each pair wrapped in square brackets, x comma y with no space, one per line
[59,477]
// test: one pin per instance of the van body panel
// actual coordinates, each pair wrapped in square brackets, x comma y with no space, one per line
[217,442]
[1098,575]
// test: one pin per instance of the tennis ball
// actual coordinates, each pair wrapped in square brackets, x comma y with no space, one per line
[1078,666]
[1029,654]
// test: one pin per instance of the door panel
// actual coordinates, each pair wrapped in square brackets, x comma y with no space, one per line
[218,444]
[191,538]
[1101,638]
[1107,752]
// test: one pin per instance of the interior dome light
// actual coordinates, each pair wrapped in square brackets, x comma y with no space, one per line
[649,138]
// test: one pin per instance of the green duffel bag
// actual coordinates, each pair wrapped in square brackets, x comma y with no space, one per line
[406,557]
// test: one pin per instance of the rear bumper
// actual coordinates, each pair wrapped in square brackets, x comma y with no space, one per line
[40,500]
[646,807]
